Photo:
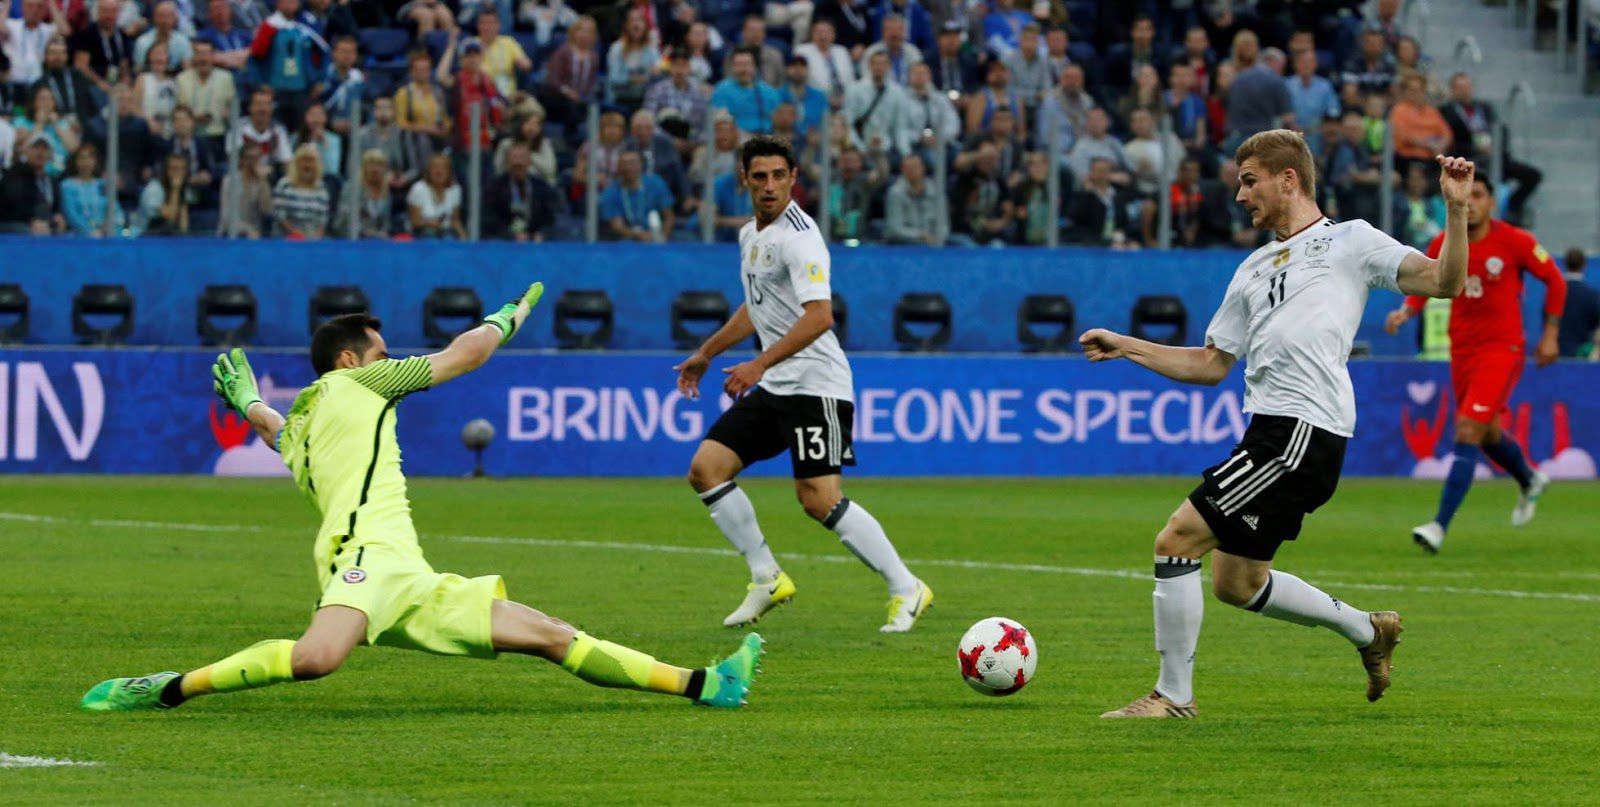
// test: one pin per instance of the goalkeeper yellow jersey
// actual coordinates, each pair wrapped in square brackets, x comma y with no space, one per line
[339,442]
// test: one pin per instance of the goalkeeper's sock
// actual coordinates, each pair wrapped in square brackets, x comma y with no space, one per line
[608,664]
[259,665]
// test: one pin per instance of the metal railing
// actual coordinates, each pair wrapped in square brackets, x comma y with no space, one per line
[113,160]
[1467,44]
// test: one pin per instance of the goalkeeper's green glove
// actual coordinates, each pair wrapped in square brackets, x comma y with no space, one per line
[510,316]
[235,382]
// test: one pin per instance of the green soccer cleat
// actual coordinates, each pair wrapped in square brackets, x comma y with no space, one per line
[729,680]
[128,694]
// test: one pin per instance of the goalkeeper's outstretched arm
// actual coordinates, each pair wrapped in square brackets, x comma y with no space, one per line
[235,383]
[470,350]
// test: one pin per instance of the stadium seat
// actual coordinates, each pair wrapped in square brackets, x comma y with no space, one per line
[442,307]
[1164,310]
[385,47]
[841,318]
[922,309]
[235,304]
[589,306]
[435,42]
[1046,309]
[332,301]
[13,307]
[699,307]
[102,301]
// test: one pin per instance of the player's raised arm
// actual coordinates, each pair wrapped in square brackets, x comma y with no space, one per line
[737,329]
[1192,365]
[235,383]
[470,350]
[1446,275]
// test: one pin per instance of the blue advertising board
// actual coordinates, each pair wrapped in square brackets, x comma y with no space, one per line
[574,414]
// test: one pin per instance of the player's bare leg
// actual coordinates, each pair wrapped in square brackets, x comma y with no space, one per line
[824,500]
[1179,606]
[711,474]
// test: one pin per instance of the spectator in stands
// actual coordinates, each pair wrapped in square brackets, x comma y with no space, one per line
[329,20]
[344,90]
[730,207]
[722,157]
[982,213]
[1423,211]
[517,204]
[902,54]
[683,94]
[769,60]
[1002,28]
[1030,201]
[289,56]
[1352,171]
[314,132]
[1471,124]
[1065,112]
[468,87]
[208,92]
[1187,202]
[809,102]
[850,196]
[419,106]
[26,39]
[1244,51]
[1097,143]
[1580,320]
[44,121]
[916,211]
[133,140]
[1008,144]
[657,151]
[1223,220]
[606,153]
[631,62]
[1217,102]
[996,93]
[1056,57]
[1372,69]
[1099,210]
[851,23]
[875,106]
[503,58]
[1274,60]
[164,202]
[1196,53]
[163,29]
[1148,153]
[786,127]
[230,45]
[370,200]
[547,18]
[1187,107]
[829,67]
[1408,60]
[103,52]
[571,76]
[1311,97]
[406,153]
[84,201]
[528,131]
[1420,131]
[27,194]
[1376,120]
[1029,72]
[157,91]
[427,15]
[204,162]
[1258,100]
[73,92]
[8,138]
[918,16]
[1383,16]
[434,202]
[745,96]
[931,122]
[1145,94]
[246,197]
[703,43]
[796,14]
[1125,61]
[954,68]
[638,206]
[300,199]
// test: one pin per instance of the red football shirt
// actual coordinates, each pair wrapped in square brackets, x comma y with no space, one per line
[1488,314]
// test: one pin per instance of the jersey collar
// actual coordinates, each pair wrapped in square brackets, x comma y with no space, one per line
[1299,232]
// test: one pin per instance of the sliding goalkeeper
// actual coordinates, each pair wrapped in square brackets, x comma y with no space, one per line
[339,441]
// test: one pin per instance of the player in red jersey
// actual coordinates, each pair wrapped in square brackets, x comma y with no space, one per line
[1487,350]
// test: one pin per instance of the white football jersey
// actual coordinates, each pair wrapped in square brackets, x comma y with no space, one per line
[782,267]
[1292,311]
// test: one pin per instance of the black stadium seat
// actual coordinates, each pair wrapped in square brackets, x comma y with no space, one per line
[234,305]
[922,309]
[1164,311]
[591,307]
[13,314]
[1046,309]
[333,301]
[699,307]
[447,312]
[100,302]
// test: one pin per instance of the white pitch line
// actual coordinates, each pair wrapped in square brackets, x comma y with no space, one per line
[1127,574]
[14,761]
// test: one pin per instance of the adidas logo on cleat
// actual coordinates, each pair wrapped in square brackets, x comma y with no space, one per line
[1252,521]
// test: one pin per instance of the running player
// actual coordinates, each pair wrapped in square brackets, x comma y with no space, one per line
[803,403]
[1292,308]
[1487,353]
[339,442]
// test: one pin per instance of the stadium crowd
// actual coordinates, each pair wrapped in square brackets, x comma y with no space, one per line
[234,117]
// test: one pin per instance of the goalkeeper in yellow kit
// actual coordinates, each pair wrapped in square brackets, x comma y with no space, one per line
[339,441]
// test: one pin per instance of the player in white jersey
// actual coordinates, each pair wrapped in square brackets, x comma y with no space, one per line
[1292,309]
[803,403]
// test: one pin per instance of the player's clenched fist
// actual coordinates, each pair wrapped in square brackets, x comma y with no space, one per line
[1100,344]
[1455,178]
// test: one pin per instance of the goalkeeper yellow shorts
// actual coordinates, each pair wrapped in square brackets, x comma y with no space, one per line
[409,605]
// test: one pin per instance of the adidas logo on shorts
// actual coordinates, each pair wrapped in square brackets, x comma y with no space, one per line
[1252,521]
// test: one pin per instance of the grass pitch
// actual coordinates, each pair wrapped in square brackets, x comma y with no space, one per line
[1494,698]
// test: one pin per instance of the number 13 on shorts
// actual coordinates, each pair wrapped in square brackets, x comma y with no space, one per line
[808,443]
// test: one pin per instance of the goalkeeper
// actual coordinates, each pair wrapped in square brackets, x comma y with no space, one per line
[339,442]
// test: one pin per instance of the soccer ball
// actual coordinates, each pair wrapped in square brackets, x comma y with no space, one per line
[997,656]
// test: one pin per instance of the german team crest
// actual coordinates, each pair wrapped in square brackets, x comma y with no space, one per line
[1317,247]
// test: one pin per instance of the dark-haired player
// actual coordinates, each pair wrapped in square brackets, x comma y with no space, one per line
[803,403]
[1487,351]
[339,442]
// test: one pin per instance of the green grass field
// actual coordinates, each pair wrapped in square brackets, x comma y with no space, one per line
[1494,699]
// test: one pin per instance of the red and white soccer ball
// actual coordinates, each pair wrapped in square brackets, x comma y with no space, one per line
[997,656]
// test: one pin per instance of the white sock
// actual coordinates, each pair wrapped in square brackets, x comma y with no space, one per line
[1179,606]
[732,511]
[1291,599]
[863,535]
